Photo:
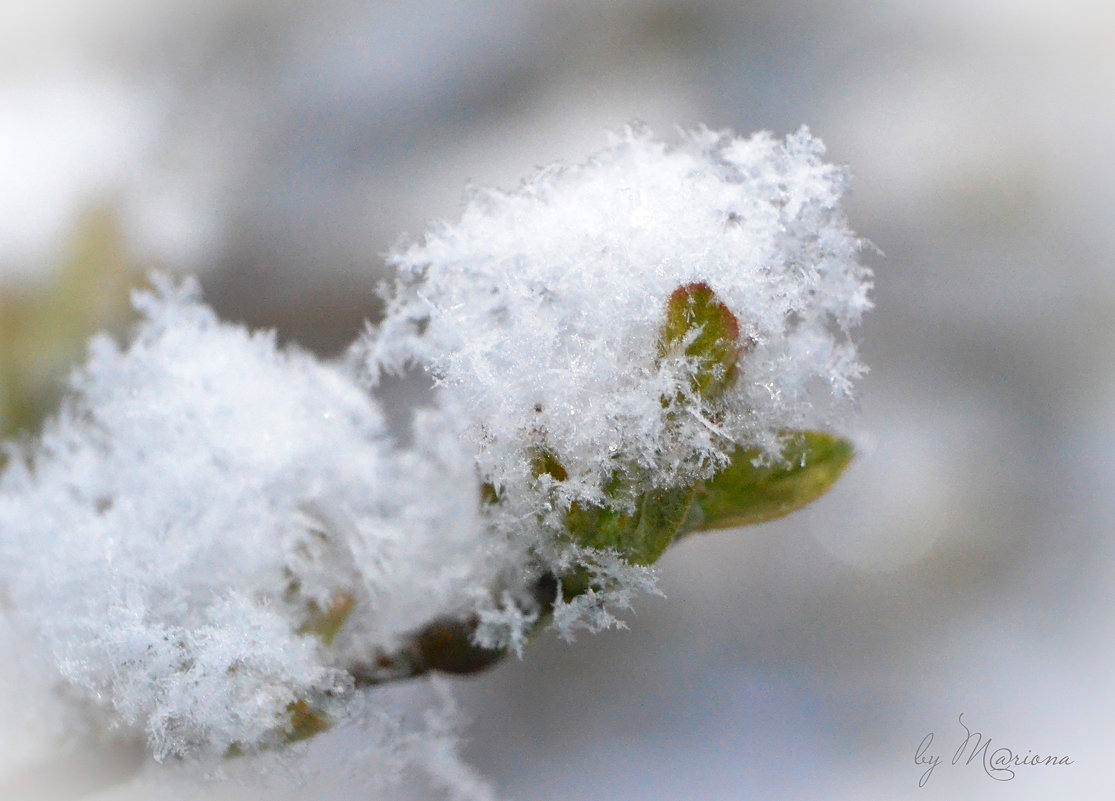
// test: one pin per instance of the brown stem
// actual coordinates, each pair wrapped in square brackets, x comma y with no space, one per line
[446,645]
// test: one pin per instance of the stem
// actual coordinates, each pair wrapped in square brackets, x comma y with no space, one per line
[446,645]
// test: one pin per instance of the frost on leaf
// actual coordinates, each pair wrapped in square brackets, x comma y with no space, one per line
[216,541]
[615,332]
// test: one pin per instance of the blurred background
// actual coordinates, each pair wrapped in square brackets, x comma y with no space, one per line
[965,563]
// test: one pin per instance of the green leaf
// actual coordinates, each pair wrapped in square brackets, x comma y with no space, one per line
[640,537]
[743,494]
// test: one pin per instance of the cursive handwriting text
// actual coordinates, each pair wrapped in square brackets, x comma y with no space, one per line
[1000,764]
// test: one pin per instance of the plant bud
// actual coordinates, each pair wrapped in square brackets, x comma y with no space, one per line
[702,328]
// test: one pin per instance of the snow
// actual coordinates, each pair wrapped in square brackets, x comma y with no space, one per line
[198,494]
[540,315]
[215,535]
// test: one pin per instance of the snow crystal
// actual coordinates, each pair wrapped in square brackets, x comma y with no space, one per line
[215,538]
[541,311]
[201,494]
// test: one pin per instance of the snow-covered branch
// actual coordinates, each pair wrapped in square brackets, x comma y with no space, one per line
[217,542]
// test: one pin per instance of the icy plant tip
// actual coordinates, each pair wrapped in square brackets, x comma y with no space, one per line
[217,542]
[640,346]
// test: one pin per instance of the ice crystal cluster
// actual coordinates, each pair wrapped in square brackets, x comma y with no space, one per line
[541,315]
[217,541]
[201,499]
[541,310]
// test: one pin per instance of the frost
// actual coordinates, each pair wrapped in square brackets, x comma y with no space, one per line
[615,583]
[201,497]
[217,542]
[505,625]
[541,312]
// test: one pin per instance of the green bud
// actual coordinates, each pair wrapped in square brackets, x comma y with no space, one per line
[546,464]
[702,328]
[743,494]
[326,624]
[489,495]
[304,722]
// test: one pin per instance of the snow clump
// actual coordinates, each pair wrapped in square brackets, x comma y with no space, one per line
[541,312]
